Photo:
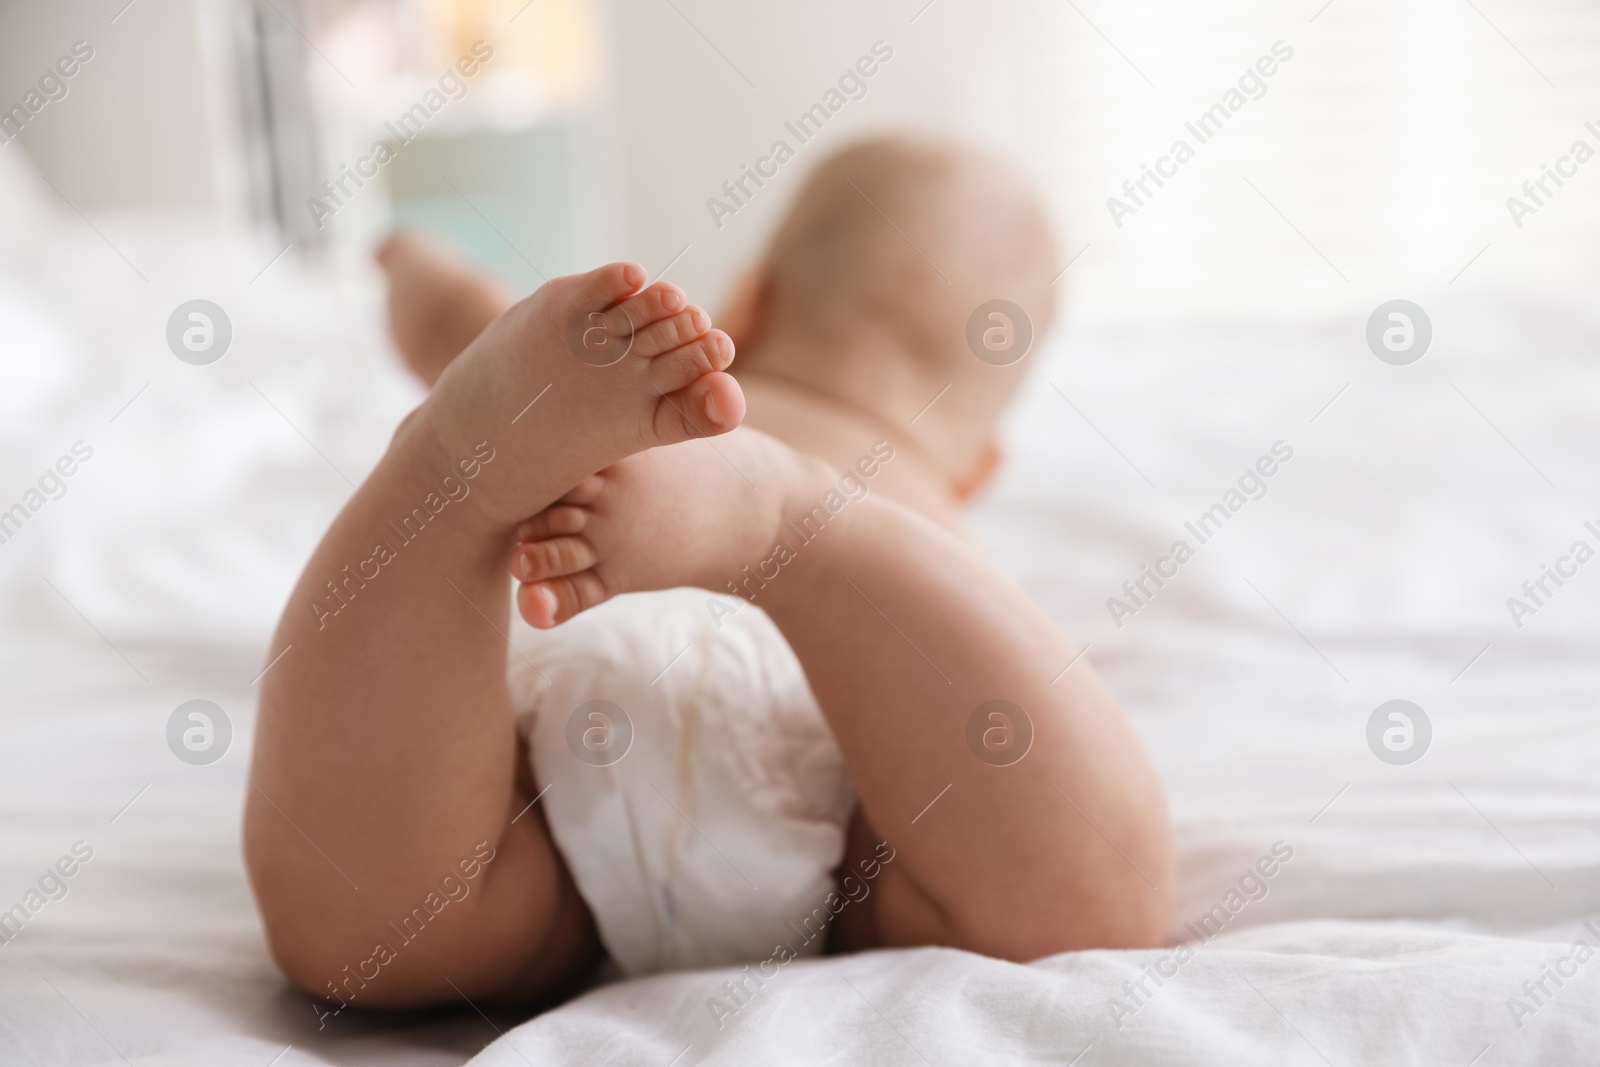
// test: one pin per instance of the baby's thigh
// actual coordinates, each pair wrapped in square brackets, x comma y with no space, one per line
[531,937]
[887,908]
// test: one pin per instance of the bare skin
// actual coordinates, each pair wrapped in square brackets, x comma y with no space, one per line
[436,305]
[386,732]
[385,751]
[840,433]
[903,631]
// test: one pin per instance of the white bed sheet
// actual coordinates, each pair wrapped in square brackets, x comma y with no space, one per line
[1418,900]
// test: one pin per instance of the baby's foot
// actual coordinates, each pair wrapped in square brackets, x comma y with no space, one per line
[695,514]
[436,304]
[587,370]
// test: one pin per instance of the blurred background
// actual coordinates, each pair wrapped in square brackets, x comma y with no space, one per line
[251,153]
[1341,154]
[1382,153]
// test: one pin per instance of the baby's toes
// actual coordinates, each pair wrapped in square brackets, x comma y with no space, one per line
[539,560]
[712,404]
[603,287]
[555,521]
[585,492]
[674,331]
[636,314]
[707,353]
[554,601]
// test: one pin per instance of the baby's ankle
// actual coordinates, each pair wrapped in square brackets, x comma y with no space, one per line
[443,469]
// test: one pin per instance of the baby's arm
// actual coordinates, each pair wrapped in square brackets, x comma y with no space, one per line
[903,631]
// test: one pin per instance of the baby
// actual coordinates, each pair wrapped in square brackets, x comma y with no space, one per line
[589,439]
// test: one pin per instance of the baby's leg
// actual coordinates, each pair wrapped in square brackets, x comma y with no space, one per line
[385,750]
[907,635]
[436,304]
[904,633]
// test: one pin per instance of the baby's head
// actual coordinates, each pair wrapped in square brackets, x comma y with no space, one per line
[866,289]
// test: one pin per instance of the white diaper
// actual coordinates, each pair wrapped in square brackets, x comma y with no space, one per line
[723,820]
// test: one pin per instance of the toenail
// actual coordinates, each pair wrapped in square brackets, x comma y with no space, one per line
[700,320]
[671,299]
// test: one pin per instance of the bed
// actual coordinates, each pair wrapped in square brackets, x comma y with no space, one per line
[1424,911]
